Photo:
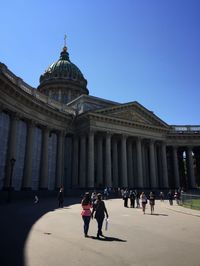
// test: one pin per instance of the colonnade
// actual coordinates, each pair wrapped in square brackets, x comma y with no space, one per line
[96,159]
[114,160]
[26,180]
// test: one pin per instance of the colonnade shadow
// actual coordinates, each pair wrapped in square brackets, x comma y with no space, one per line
[16,220]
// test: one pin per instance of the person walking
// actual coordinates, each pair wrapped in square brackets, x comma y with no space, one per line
[99,211]
[125,197]
[170,197]
[152,201]
[143,199]
[132,199]
[93,196]
[86,212]
[162,196]
[137,195]
[60,197]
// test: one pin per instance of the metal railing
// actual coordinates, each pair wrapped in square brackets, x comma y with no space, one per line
[190,201]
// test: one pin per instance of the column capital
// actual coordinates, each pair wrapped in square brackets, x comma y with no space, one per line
[15,116]
[83,134]
[31,122]
[163,143]
[138,138]
[175,146]
[108,134]
[124,136]
[91,132]
[61,133]
[151,141]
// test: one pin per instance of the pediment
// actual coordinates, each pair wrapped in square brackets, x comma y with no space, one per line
[133,112]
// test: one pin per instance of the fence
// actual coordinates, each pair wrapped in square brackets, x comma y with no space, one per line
[190,201]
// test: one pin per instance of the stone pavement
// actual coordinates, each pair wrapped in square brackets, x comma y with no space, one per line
[42,234]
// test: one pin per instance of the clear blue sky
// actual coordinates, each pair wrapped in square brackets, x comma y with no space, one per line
[128,50]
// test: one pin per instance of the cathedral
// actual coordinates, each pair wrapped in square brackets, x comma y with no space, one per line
[59,135]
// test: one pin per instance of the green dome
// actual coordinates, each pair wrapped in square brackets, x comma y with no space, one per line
[63,70]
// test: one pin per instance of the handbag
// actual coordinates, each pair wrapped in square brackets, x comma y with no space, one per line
[106,224]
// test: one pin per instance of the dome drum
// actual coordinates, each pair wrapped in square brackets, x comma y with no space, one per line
[63,73]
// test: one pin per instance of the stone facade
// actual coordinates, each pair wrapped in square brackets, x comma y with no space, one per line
[89,142]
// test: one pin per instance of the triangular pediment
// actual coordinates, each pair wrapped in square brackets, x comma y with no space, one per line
[133,112]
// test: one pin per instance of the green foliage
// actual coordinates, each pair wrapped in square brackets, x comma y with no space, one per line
[193,204]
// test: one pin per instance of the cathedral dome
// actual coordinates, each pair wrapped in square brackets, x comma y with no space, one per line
[63,80]
[63,69]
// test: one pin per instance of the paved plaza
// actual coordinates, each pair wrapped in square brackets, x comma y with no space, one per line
[41,234]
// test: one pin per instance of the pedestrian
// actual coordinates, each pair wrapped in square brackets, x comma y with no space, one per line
[143,199]
[36,199]
[100,210]
[152,201]
[137,195]
[132,199]
[93,196]
[86,212]
[60,197]
[125,198]
[177,196]
[170,197]
[106,193]
[161,196]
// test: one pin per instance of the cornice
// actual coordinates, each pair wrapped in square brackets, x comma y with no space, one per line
[135,106]
[123,122]
[30,93]
[32,101]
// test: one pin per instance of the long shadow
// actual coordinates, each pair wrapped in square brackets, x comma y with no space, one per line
[157,214]
[16,220]
[106,238]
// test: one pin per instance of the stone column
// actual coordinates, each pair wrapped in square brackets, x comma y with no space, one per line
[91,159]
[164,166]
[124,180]
[59,95]
[144,164]
[115,163]
[176,170]
[108,177]
[153,176]
[27,178]
[60,159]
[99,161]
[75,161]
[139,163]
[44,161]
[11,147]
[192,181]
[83,161]
[130,164]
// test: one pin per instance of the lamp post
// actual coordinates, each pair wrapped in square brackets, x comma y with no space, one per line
[12,163]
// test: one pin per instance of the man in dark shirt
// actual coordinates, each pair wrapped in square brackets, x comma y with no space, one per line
[100,210]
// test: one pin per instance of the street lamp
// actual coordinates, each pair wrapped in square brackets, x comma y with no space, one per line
[12,163]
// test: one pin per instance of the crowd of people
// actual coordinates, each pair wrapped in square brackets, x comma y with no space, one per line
[93,205]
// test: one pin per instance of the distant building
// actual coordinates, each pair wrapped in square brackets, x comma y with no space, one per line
[60,135]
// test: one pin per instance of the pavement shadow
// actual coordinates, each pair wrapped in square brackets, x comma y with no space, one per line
[16,220]
[106,238]
[157,214]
